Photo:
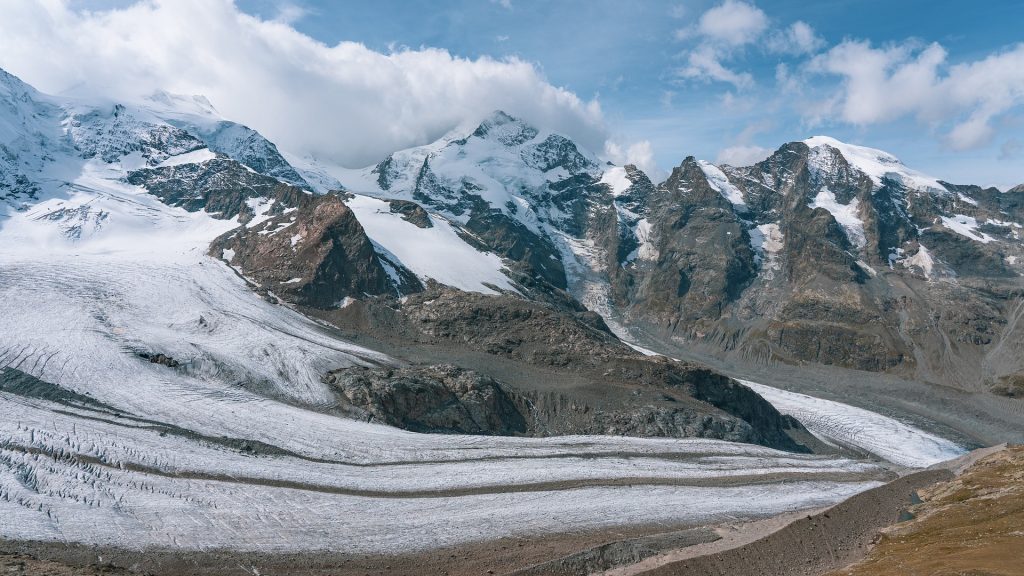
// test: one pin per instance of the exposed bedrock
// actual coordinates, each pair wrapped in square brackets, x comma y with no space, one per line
[529,368]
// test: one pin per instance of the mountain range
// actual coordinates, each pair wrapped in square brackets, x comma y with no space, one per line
[167,271]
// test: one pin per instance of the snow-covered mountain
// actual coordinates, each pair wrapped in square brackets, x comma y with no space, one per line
[161,387]
[818,240]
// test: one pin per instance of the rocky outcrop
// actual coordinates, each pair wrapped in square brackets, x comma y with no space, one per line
[447,399]
[440,399]
[411,212]
[315,254]
[562,369]
[699,259]
[222,187]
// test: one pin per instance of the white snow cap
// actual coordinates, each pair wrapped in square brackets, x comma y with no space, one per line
[878,164]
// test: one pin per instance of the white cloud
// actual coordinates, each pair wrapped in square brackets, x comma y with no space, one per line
[639,153]
[883,84]
[343,102]
[733,22]
[723,32]
[742,155]
[799,38]
[289,13]
[704,64]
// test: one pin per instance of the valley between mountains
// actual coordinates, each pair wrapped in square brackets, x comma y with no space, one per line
[211,348]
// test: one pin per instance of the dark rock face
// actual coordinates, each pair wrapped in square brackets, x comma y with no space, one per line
[533,257]
[704,259]
[411,212]
[896,285]
[221,186]
[611,388]
[442,399]
[315,255]
[451,400]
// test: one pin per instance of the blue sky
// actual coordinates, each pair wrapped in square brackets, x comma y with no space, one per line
[939,84]
[627,56]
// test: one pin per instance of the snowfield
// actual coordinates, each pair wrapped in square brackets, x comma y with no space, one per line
[437,252]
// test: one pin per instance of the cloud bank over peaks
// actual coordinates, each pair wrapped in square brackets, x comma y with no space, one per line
[344,103]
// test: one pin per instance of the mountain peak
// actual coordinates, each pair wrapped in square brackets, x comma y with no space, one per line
[504,128]
[876,164]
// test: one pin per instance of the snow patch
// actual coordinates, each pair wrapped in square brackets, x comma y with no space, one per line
[437,252]
[767,241]
[847,215]
[194,157]
[646,250]
[720,183]
[966,226]
[261,210]
[922,259]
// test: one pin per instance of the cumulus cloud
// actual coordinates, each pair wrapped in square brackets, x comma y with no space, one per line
[733,22]
[639,153]
[705,64]
[726,30]
[883,84]
[799,38]
[346,102]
